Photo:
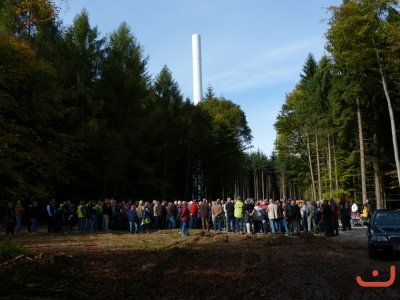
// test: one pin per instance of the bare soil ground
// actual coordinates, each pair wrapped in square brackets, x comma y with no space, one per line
[165,265]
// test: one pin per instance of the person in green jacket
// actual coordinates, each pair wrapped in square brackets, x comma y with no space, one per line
[239,214]
[81,214]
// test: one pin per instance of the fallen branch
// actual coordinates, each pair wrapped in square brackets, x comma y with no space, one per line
[14,259]
[64,285]
[40,289]
[34,285]
[43,290]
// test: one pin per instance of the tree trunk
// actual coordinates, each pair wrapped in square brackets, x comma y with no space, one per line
[318,168]
[392,121]
[378,184]
[314,192]
[262,183]
[283,184]
[377,179]
[337,186]
[330,167]
[362,156]
[255,183]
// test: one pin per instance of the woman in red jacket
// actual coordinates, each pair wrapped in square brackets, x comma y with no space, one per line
[193,210]
[185,215]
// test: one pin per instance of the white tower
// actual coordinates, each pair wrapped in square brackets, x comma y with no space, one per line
[196,53]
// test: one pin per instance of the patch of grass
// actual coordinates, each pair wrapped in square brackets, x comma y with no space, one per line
[15,281]
[10,249]
[10,283]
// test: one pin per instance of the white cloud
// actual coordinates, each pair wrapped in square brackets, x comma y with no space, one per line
[272,67]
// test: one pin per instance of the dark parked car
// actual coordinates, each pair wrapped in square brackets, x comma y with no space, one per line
[383,232]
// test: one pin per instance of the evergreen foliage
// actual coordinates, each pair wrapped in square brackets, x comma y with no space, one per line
[81,118]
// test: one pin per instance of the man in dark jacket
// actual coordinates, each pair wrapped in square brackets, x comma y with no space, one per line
[295,217]
[327,218]
[172,211]
[230,215]
[10,218]
[51,215]
[335,216]
[204,208]
[33,214]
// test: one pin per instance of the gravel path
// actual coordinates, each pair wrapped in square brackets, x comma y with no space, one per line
[356,234]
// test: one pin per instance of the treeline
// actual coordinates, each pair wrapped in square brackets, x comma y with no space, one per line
[338,128]
[81,118]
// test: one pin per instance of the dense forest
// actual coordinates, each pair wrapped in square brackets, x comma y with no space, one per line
[81,118]
[337,130]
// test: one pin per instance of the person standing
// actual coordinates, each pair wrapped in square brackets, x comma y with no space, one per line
[239,214]
[310,211]
[115,212]
[288,220]
[81,214]
[146,219]
[59,218]
[51,216]
[335,216]
[265,222]
[10,219]
[99,214]
[132,218]
[178,214]
[157,215]
[19,214]
[303,216]
[347,216]
[327,217]
[204,215]
[223,216]
[193,214]
[34,215]
[369,208]
[273,216]
[172,210]
[258,217]
[295,217]
[230,215]
[354,210]
[29,217]
[163,209]
[217,213]
[106,214]
[318,212]
[91,212]
[248,215]
[139,214]
[281,220]
[184,217]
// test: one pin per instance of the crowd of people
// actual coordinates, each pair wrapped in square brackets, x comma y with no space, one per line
[233,216]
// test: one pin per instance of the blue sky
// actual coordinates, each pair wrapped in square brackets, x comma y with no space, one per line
[253,51]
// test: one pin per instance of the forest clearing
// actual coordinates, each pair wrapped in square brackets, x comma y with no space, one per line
[165,265]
